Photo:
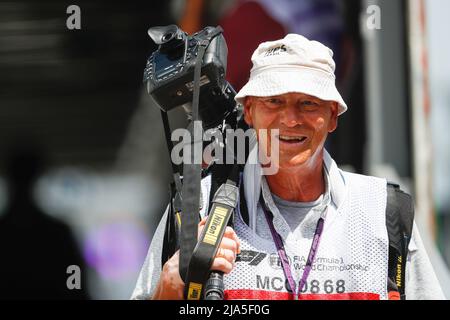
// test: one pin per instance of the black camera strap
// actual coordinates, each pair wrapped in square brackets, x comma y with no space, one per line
[399,223]
[175,170]
[223,206]
[191,181]
[192,172]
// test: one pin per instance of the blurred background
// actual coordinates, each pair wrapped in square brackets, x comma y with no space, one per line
[84,169]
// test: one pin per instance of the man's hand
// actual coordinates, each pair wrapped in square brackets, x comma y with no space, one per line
[227,251]
[171,286]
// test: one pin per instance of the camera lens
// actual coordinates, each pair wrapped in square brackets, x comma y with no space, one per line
[167,36]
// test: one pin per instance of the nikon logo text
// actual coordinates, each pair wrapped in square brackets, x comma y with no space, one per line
[212,233]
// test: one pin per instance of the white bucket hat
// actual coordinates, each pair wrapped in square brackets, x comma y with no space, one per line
[293,64]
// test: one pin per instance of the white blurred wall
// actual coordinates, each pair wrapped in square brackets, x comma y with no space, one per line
[438,26]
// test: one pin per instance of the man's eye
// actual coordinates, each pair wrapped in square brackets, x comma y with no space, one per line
[309,103]
[273,101]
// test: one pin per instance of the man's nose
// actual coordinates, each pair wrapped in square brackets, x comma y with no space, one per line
[291,115]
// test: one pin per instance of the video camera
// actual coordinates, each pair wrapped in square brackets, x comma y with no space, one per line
[169,74]
[189,71]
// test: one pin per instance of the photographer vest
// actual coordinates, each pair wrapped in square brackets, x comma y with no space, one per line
[351,261]
[362,252]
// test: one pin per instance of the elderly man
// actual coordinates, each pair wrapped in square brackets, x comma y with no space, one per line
[311,230]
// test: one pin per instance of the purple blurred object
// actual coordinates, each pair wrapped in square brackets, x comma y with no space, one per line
[116,250]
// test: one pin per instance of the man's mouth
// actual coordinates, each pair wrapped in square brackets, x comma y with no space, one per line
[292,139]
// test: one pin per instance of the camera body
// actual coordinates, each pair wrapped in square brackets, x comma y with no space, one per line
[169,73]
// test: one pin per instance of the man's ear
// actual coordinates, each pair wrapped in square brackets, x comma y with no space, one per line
[248,111]
[334,117]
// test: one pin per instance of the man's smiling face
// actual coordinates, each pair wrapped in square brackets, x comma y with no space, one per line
[303,122]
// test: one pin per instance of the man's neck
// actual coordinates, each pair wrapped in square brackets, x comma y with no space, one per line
[298,185]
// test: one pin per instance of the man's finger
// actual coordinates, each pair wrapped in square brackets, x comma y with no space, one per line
[222,264]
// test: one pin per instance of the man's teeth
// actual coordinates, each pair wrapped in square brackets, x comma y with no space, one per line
[292,138]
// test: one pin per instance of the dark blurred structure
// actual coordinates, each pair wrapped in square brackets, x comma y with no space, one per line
[75,90]
[36,249]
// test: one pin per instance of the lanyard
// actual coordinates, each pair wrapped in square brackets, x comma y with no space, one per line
[282,252]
